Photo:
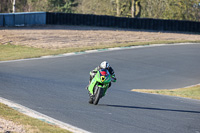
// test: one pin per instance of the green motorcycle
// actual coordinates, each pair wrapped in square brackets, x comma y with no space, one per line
[99,85]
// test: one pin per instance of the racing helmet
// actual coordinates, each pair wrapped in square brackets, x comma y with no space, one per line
[104,65]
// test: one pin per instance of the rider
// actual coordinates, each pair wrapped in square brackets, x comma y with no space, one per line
[103,65]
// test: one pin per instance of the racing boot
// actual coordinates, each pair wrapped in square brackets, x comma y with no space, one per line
[91,98]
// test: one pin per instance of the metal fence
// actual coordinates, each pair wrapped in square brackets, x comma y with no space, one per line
[42,18]
[22,19]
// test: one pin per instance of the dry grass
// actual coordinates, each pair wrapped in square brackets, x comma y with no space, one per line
[63,36]
[188,92]
[31,125]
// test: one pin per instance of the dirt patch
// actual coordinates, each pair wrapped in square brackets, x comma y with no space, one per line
[54,37]
[8,127]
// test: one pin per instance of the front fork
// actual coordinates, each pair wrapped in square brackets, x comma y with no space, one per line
[105,87]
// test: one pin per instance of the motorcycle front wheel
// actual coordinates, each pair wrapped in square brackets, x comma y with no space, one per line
[98,94]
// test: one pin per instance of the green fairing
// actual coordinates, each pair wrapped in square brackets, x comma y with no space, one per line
[103,84]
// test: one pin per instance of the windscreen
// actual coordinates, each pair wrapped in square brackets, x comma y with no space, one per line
[104,72]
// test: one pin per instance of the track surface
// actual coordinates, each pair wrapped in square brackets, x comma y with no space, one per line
[55,87]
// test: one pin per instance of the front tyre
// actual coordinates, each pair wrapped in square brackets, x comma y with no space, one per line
[98,94]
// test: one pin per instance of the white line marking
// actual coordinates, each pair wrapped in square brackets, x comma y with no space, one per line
[41,117]
[97,51]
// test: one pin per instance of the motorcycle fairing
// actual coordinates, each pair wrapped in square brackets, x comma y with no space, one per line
[102,79]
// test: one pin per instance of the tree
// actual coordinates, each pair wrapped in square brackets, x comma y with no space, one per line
[98,7]
[135,8]
[13,6]
[182,10]
[62,5]
[5,6]
[118,8]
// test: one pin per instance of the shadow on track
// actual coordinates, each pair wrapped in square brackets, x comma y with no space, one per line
[150,108]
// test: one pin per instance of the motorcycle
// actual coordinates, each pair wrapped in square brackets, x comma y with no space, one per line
[99,85]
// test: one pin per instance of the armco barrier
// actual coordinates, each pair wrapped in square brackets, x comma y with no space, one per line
[22,19]
[41,18]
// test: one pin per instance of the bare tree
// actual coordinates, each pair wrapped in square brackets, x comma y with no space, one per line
[118,8]
[13,5]
[135,8]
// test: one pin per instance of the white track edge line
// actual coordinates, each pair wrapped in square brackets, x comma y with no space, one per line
[42,117]
[97,51]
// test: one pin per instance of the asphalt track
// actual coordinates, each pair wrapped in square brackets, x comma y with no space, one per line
[56,87]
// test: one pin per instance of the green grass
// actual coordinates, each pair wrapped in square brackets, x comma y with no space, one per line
[13,52]
[31,125]
[188,92]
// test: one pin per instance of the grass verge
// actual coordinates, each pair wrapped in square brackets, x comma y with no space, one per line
[31,125]
[188,92]
[13,52]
